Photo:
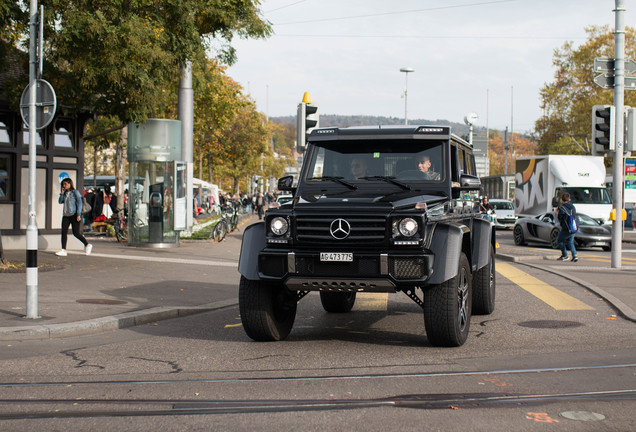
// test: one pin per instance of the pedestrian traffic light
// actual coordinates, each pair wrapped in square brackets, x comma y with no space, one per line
[603,129]
[306,121]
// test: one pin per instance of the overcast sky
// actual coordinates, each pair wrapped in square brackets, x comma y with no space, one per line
[490,57]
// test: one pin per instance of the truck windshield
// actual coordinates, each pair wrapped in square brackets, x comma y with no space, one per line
[588,195]
[378,161]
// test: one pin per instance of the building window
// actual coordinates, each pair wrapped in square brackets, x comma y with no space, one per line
[62,135]
[5,177]
[5,138]
[25,136]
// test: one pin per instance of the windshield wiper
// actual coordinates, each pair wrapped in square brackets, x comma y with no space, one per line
[388,179]
[335,179]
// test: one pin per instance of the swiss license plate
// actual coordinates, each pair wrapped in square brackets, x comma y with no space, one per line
[336,256]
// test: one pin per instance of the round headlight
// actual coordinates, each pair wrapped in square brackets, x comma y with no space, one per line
[279,226]
[408,227]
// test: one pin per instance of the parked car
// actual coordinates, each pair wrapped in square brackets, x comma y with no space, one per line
[282,199]
[504,212]
[545,229]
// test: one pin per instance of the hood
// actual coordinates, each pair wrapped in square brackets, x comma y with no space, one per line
[371,199]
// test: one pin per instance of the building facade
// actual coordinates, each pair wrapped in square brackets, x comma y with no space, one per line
[60,153]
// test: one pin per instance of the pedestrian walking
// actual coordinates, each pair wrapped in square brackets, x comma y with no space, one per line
[566,238]
[72,215]
[259,205]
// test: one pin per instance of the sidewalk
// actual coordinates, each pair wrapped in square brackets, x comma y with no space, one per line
[119,286]
[616,285]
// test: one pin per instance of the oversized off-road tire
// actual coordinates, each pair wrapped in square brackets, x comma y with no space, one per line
[448,308]
[337,302]
[554,239]
[484,288]
[267,311]
[517,233]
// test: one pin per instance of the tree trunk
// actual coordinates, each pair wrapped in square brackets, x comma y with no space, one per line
[120,167]
[94,167]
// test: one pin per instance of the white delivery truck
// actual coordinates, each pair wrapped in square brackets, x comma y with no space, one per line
[540,181]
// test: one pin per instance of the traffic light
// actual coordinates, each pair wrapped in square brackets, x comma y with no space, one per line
[603,129]
[306,121]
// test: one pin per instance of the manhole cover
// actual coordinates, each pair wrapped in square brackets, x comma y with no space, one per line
[101,301]
[550,324]
[582,415]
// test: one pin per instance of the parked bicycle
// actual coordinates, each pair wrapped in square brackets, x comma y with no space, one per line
[120,225]
[226,224]
[219,231]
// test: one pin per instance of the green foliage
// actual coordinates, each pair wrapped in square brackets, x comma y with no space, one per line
[567,101]
[122,58]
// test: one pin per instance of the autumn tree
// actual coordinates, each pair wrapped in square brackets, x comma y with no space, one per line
[240,144]
[565,127]
[519,146]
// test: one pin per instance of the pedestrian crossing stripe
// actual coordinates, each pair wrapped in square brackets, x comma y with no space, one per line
[544,292]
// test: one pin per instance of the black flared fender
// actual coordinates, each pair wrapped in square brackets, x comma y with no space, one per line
[253,243]
[446,245]
[483,242]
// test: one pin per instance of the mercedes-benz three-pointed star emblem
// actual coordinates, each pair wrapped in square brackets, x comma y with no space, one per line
[340,229]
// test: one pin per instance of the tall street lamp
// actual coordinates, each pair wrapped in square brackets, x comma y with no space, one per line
[406,71]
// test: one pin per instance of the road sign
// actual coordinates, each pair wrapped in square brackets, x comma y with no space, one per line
[603,64]
[605,80]
[45,103]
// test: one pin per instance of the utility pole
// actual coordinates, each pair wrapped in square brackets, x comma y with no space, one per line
[619,103]
[32,227]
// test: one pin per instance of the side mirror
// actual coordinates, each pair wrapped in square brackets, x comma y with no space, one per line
[469,182]
[286,183]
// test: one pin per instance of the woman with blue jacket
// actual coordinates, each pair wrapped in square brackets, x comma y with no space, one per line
[72,200]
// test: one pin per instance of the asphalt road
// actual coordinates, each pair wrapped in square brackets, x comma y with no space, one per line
[529,366]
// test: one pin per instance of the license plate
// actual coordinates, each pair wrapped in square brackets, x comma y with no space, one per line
[336,256]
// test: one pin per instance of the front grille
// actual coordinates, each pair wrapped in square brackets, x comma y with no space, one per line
[407,268]
[364,229]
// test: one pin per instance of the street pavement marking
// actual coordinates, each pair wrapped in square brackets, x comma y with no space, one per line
[544,292]
[372,301]
[623,260]
[162,259]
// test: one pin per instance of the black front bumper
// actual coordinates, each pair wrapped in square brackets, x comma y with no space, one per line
[369,271]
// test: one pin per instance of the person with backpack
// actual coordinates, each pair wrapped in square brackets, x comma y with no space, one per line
[72,215]
[566,214]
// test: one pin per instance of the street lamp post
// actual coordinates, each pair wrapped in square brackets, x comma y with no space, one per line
[406,71]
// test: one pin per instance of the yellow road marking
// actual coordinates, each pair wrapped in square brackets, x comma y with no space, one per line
[623,261]
[233,325]
[544,292]
[371,301]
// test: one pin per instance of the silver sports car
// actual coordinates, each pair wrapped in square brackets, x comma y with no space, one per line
[545,229]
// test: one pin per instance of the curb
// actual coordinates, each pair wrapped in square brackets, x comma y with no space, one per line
[108,323]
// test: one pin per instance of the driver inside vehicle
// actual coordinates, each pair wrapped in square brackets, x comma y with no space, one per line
[424,166]
[359,167]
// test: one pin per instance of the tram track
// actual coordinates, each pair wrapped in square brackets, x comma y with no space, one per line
[83,408]
[117,406]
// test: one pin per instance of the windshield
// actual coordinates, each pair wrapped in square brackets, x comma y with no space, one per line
[377,161]
[585,220]
[502,205]
[588,195]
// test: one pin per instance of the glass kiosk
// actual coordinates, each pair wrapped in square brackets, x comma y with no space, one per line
[156,184]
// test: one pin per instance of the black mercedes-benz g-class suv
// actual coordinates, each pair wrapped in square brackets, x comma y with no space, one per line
[376,209]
